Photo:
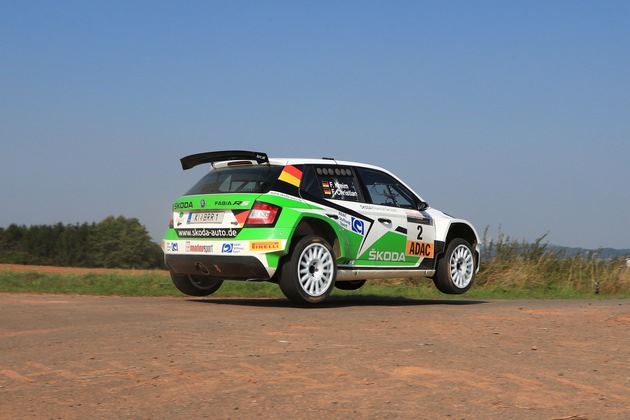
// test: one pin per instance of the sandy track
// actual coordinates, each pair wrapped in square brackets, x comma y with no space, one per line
[86,356]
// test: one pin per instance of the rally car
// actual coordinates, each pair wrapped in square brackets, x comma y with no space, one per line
[310,225]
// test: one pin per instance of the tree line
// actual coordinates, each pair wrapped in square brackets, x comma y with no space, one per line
[116,242]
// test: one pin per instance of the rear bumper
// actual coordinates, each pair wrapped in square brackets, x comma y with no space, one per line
[218,266]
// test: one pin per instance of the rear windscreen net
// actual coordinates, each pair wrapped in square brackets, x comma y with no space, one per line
[242,179]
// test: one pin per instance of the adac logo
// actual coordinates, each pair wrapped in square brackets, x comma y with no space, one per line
[420,249]
[358,226]
[227,248]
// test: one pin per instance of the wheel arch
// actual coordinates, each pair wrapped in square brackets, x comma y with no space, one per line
[319,227]
[467,232]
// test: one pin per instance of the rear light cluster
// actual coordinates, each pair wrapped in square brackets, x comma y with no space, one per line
[263,214]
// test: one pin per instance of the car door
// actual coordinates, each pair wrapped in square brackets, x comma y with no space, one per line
[406,234]
[338,190]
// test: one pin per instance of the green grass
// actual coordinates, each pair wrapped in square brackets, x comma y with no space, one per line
[509,270]
[159,284]
[93,284]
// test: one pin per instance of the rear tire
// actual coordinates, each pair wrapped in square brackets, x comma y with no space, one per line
[455,271]
[308,276]
[195,285]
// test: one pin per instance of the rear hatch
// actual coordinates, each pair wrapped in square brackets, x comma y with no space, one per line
[220,216]
[218,205]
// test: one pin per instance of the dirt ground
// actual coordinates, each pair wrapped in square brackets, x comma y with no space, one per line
[69,356]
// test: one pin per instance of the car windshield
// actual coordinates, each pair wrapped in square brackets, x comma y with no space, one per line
[237,179]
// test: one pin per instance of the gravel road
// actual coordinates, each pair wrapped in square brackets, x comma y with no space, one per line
[68,356]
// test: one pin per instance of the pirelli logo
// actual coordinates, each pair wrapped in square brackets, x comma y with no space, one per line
[420,249]
[265,246]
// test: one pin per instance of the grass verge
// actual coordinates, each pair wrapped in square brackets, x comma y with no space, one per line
[159,284]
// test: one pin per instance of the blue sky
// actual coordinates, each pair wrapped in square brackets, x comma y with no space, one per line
[512,114]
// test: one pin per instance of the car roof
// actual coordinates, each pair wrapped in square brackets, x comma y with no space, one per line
[226,157]
[223,159]
[322,161]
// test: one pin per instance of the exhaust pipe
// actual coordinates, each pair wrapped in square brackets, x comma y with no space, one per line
[202,268]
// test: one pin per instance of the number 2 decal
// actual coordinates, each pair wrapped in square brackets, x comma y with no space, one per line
[419,232]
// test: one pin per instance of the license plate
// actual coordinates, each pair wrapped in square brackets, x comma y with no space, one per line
[206,217]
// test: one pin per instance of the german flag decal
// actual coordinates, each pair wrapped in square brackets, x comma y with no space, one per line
[291,175]
[326,187]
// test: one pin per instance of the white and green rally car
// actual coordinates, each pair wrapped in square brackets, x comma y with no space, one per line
[310,225]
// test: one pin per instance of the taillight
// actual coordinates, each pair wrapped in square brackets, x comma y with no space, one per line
[262,214]
[171,224]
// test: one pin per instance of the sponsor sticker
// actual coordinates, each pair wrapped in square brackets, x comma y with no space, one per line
[351,223]
[231,203]
[375,255]
[232,248]
[170,246]
[358,226]
[183,205]
[420,249]
[199,248]
[265,245]
[208,233]
[344,220]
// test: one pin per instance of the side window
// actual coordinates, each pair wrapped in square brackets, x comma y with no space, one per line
[385,190]
[310,185]
[337,183]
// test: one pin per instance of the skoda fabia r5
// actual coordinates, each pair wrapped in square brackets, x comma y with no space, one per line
[310,225]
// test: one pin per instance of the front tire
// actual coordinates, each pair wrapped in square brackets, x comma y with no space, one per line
[195,285]
[308,276]
[455,271]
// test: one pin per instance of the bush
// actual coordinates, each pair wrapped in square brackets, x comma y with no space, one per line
[507,263]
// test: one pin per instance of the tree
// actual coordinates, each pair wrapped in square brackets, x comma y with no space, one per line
[123,243]
[11,250]
[72,247]
[116,242]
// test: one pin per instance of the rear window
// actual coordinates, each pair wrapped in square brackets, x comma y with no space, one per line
[241,179]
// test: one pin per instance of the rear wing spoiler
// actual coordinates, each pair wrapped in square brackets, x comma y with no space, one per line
[211,157]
